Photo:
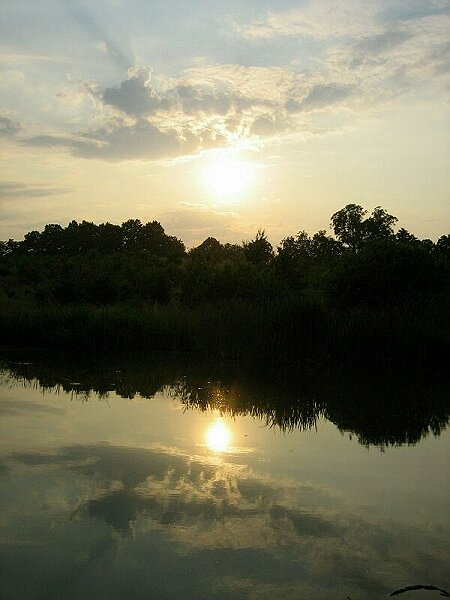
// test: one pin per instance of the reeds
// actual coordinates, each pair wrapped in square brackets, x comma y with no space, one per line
[283,331]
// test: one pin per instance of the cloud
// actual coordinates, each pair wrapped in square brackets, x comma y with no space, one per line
[363,61]
[382,42]
[122,57]
[8,127]
[13,408]
[138,96]
[381,50]
[328,20]
[15,189]
[317,20]
[140,140]
[171,487]
[205,108]
[267,126]
[49,141]
[320,97]
[135,96]
[261,533]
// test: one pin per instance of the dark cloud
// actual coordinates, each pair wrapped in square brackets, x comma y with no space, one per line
[144,140]
[383,42]
[303,523]
[141,140]
[266,127]
[16,189]
[407,12]
[8,127]
[135,96]
[319,97]
[49,141]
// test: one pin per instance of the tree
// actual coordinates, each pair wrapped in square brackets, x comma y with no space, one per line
[210,251]
[109,237]
[51,239]
[325,248]
[403,236]
[380,225]
[348,225]
[385,273]
[131,231]
[353,230]
[443,245]
[258,251]
[295,248]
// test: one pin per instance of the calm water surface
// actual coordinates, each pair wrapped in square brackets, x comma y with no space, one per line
[178,480]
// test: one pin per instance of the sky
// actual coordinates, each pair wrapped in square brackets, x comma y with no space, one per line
[221,118]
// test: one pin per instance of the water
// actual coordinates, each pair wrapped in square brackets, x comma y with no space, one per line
[149,478]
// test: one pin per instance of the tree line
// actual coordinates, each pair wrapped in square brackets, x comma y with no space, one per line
[366,262]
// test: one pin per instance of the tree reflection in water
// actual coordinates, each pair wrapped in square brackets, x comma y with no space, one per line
[387,408]
[117,520]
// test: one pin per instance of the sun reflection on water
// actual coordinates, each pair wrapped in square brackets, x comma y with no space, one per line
[218,437]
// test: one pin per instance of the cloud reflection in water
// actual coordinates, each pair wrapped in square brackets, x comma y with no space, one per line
[168,512]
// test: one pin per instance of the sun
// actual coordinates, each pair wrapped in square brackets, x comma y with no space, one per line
[227,178]
[218,437]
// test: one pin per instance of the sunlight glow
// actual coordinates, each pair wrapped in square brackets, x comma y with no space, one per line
[218,437]
[227,178]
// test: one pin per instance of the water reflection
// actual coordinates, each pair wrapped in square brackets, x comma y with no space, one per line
[218,436]
[253,535]
[384,409]
[155,513]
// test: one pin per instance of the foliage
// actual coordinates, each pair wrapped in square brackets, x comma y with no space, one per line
[305,299]
[353,230]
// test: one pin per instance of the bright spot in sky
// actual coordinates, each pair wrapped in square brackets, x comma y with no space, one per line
[227,178]
[218,437]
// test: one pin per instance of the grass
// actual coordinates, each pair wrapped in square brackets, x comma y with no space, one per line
[283,331]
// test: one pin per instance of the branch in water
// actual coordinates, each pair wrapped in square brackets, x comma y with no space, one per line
[420,587]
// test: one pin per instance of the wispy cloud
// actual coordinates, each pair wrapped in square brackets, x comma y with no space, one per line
[15,189]
[367,57]
[13,408]
[8,127]
[317,20]
[82,14]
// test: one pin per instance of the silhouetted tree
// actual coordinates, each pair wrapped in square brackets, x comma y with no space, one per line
[209,251]
[353,230]
[293,260]
[348,225]
[443,245]
[109,238]
[324,248]
[131,231]
[405,237]
[380,225]
[258,251]
[385,273]
[157,242]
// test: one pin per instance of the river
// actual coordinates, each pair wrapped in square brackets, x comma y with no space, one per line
[177,478]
